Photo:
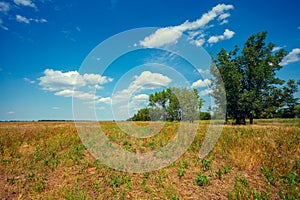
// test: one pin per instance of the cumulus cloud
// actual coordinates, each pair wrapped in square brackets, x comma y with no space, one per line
[146,80]
[25,3]
[149,80]
[293,56]
[226,35]
[58,80]
[171,34]
[22,19]
[205,92]
[201,83]
[141,97]
[70,84]
[106,100]
[162,37]
[10,112]
[55,108]
[4,7]
[96,79]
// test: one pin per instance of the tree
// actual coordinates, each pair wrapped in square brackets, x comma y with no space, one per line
[160,99]
[249,77]
[141,115]
[290,103]
[172,104]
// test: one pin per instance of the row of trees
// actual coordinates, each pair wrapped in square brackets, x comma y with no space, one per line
[252,89]
[171,104]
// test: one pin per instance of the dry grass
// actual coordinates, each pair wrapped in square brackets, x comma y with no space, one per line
[48,161]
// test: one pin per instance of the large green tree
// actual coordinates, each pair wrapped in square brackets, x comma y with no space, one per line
[249,78]
[172,104]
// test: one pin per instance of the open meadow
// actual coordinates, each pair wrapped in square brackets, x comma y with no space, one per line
[47,160]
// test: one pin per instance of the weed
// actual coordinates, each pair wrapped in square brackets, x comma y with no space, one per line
[226,169]
[269,174]
[116,181]
[146,175]
[202,180]
[290,189]
[174,197]
[219,173]
[180,172]
[206,164]
[256,195]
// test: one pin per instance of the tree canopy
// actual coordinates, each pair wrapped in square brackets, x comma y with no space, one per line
[249,77]
[171,104]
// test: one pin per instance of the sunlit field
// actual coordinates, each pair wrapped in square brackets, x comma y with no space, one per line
[47,160]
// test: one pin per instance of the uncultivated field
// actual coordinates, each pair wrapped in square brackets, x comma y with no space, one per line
[47,160]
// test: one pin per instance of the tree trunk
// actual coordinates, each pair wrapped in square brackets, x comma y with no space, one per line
[251,120]
[240,121]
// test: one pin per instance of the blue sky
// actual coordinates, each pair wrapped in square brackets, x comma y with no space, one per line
[50,51]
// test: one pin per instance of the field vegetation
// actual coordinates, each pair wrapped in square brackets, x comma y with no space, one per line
[47,160]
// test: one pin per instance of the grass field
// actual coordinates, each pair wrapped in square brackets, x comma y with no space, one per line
[40,160]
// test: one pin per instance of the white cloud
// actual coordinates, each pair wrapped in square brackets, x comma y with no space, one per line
[141,97]
[22,19]
[58,80]
[276,49]
[96,79]
[205,92]
[171,34]
[25,3]
[106,100]
[162,37]
[68,84]
[149,80]
[226,35]
[26,20]
[225,21]
[146,80]
[28,80]
[10,112]
[203,71]
[223,16]
[4,7]
[293,56]
[2,26]
[201,83]
[55,108]
[42,20]
[76,94]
